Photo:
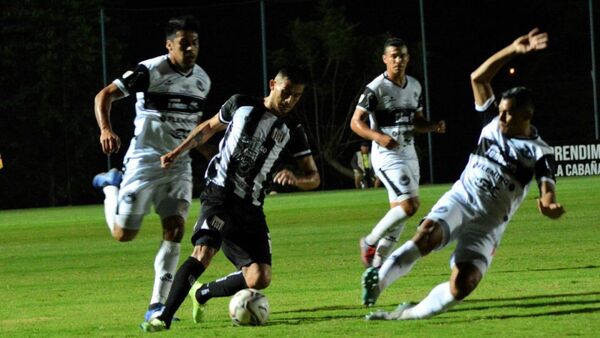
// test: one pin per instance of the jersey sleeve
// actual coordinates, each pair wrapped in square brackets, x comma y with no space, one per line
[545,168]
[298,145]
[228,109]
[367,100]
[133,81]
[488,110]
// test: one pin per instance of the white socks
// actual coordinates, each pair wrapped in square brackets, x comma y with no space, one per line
[398,264]
[386,244]
[111,197]
[165,265]
[394,216]
[439,300]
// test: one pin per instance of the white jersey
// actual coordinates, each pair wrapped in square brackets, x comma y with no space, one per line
[497,176]
[391,111]
[169,105]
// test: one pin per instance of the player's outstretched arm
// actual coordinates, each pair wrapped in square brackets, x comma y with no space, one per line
[199,135]
[482,77]
[109,141]
[547,204]
[309,180]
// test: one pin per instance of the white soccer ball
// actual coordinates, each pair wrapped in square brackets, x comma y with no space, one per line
[249,307]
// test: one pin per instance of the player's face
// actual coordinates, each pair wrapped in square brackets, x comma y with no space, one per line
[513,120]
[395,59]
[183,49]
[285,94]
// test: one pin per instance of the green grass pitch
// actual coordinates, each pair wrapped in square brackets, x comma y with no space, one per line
[61,274]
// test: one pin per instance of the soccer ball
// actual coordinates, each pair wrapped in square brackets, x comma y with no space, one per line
[249,307]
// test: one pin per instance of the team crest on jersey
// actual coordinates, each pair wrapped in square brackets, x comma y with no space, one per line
[278,135]
[388,101]
[200,85]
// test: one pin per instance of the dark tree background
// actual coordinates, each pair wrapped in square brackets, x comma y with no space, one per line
[52,68]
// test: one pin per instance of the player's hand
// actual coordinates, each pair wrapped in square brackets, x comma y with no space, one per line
[285,177]
[551,210]
[110,142]
[167,159]
[533,41]
[440,127]
[386,141]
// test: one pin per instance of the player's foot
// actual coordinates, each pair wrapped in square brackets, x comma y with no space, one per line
[370,286]
[111,177]
[367,252]
[154,325]
[154,310]
[394,315]
[197,308]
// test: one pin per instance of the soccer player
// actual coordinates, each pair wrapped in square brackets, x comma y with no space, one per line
[475,212]
[393,104]
[258,133]
[171,91]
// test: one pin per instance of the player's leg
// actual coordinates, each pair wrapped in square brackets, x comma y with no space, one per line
[172,201]
[428,237]
[125,207]
[471,259]
[464,279]
[249,251]
[109,183]
[185,277]
[402,184]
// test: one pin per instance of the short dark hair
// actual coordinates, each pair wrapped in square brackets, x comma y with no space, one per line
[181,23]
[295,74]
[395,42]
[521,96]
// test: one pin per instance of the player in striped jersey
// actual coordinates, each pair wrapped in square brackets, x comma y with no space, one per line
[392,102]
[258,133]
[170,91]
[476,211]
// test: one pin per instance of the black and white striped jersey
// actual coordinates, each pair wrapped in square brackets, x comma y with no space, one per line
[392,110]
[169,105]
[254,143]
[500,169]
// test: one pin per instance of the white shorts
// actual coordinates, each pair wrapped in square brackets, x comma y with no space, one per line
[477,236]
[401,180]
[170,190]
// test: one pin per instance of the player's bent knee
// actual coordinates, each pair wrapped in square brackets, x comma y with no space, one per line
[464,280]
[429,236]
[123,235]
[173,228]
[259,282]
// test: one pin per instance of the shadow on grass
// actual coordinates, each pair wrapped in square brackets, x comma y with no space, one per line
[516,303]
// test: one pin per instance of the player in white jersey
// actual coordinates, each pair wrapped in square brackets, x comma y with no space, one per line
[392,102]
[171,91]
[475,212]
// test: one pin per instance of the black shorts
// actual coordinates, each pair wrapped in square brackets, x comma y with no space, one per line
[235,225]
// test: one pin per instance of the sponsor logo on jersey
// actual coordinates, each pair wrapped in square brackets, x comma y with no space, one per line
[180,133]
[172,119]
